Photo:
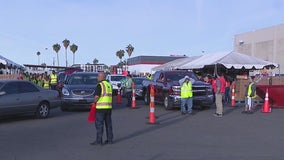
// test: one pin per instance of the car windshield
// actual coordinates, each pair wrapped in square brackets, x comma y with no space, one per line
[80,79]
[1,84]
[117,78]
[177,76]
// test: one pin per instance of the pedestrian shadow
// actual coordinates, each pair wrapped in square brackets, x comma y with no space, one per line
[229,110]
[153,127]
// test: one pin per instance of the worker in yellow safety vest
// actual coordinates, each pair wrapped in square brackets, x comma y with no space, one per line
[103,100]
[250,94]
[186,96]
[53,80]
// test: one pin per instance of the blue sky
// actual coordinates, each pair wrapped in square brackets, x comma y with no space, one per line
[101,27]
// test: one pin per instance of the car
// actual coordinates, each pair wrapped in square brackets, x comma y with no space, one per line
[115,80]
[18,97]
[138,86]
[63,75]
[78,90]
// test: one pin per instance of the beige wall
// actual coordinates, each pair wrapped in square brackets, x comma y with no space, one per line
[267,44]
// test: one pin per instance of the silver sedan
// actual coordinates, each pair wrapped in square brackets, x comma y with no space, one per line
[24,97]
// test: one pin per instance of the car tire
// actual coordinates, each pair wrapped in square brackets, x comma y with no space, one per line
[147,97]
[168,104]
[43,110]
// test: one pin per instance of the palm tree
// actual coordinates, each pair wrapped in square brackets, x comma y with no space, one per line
[56,47]
[66,43]
[38,54]
[120,54]
[95,61]
[73,48]
[129,49]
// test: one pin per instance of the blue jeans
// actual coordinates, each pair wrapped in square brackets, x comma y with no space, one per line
[185,101]
[103,117]
[227,95]
[129,98]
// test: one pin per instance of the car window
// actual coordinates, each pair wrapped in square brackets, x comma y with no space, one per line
[177,76]
[25,87]
[83,79]
[11,88]
[1,84]
[117,78]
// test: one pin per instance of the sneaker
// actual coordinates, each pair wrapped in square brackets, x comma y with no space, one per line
[217,115]
[250,112]
[183,113]
[96,143]
[108,142]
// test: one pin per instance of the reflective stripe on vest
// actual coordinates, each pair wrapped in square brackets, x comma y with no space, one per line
[53,78]
[250,90]
[105,100]
[186,90]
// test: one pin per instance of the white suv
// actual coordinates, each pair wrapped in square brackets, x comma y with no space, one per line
[114,80]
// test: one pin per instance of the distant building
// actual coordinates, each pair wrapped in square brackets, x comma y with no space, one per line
[144,64]
[92,67]
[266,44]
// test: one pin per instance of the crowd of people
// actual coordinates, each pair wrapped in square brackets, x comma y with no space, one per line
[45,80]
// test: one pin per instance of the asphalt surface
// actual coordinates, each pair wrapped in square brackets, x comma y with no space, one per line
[200,136]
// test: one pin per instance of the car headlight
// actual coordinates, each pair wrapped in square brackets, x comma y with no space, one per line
[65,92]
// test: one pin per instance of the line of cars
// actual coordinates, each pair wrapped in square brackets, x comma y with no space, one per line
[76,90]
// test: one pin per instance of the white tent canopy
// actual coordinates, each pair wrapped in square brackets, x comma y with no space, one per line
[229,60]
[175,63]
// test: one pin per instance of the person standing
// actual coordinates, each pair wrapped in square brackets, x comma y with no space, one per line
[128,90]
[227,91]
[186,96]
[250,94]
[219,93]
[103,101]
[53,80]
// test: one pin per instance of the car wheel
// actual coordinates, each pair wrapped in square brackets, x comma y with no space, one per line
[168,104]
[43,110]
[147,97]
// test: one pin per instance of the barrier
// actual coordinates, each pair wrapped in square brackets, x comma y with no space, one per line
[133,105]
[152,118]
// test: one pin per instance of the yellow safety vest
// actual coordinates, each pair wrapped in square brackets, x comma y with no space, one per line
[53,79]
[105,100]
[186,90]
[46,84]
[250,90]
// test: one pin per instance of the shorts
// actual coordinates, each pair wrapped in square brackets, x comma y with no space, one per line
[249,102]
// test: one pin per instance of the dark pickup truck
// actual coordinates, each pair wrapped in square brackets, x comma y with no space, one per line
[167,89]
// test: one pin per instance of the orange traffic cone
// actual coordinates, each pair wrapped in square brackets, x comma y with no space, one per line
[266,107]
[233,101]
[152,117]
[133,96]
[118,96]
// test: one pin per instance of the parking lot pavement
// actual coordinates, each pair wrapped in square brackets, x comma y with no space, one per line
[67,135]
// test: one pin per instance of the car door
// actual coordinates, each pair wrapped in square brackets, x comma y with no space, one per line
[10,98]
[30,96]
